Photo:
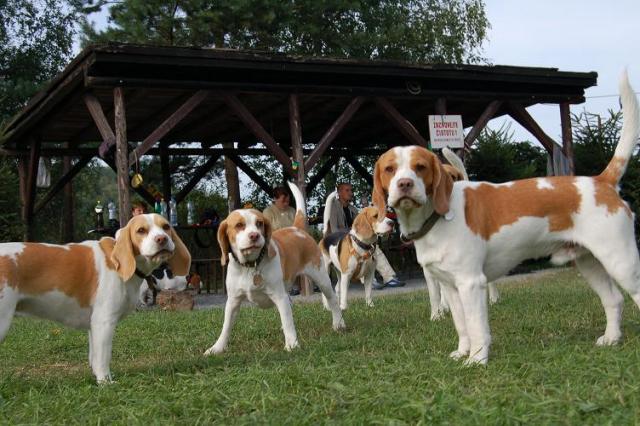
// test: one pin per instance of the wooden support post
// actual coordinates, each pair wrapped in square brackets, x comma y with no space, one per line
[166,173]
[520,114]
[256,128]
[68,212]
[567,137]
[232,179]
[484,118]
[295,128]
[441,106]
[122,156]
[30,193]
[406,128]
[333,131]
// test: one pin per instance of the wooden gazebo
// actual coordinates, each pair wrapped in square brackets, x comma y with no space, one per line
[120,102]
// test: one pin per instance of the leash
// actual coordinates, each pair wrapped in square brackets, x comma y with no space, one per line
[424,229]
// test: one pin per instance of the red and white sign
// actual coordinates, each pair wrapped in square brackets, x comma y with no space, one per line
[446,130]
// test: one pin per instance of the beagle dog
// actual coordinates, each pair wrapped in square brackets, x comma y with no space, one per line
[89,285]
[469,233]
[262,266]
[352,252]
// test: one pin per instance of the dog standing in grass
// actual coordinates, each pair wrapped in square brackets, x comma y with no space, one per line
[262,266]
[352,251]
[478,231]
[89,285]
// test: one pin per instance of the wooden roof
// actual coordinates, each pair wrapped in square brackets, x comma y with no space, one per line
[157,80]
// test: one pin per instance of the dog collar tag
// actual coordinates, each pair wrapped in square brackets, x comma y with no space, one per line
[257,279]
[448,216]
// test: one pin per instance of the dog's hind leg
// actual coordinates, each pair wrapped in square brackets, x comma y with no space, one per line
[611,298]
[323,281]
[8,301]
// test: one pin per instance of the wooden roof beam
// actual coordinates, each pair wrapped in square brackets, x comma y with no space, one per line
[66,178]
[333,131]
[406,128]
[250,172]
[254,125]
[197,177]
[520,114]
[484,118]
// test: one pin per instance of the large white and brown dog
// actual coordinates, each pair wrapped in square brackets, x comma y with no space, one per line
[89,285]
[262,266]
[479,231]
[352,252]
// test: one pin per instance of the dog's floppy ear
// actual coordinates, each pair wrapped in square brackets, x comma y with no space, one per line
[223,241]
[122,255]
[268,229]
[441,186]
[362,226]
[379,196]
[180,262]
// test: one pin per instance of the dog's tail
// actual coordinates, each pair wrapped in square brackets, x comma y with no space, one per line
[629,137]
[455,161]
[328,206]
[300,221]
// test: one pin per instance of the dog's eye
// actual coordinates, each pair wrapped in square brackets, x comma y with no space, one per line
[389,169]
[166,227]
[420,167]
[375,215]
[141,230]
[239,226]
[259,224]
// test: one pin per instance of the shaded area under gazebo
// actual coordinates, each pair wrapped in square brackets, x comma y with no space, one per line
[120,102]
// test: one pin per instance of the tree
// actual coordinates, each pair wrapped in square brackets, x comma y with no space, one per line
[496,157]
[35,43]
[416,30]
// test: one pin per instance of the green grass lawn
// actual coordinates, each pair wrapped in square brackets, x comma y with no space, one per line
[390,366]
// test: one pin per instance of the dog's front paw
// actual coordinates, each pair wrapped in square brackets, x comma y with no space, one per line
[437,315]
[608,340]
[105,380]
[291,346]
[370,303]
[343,306]
[458,355]
[339,325]
[214,350]
[479,358]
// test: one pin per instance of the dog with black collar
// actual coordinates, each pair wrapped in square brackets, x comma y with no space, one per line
[352,252]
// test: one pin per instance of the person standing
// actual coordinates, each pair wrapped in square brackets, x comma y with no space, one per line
[342,215]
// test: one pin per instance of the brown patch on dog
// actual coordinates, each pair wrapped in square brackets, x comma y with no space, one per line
[607,195]
[383,172]
[455,174]
[107,244]
[489,207]
[8,275]
[364,223]
[69,269]
[346,247]
[297,249]
[613,172]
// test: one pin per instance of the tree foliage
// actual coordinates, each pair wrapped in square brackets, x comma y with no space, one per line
[450,31]
[497,157]
[35,43]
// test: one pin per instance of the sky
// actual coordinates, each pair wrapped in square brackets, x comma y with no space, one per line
[570,35]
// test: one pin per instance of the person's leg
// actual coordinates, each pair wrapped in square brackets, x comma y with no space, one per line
[386,271]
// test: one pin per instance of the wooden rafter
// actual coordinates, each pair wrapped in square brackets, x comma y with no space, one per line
[322,172]
[254,125]
[196,177]
[333,131]
[359,169]
[251,173]
[66,178]
[168,124]
[29,200]
[101,122]
[406,128]
[520,114]
[122,165]
[484,118]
